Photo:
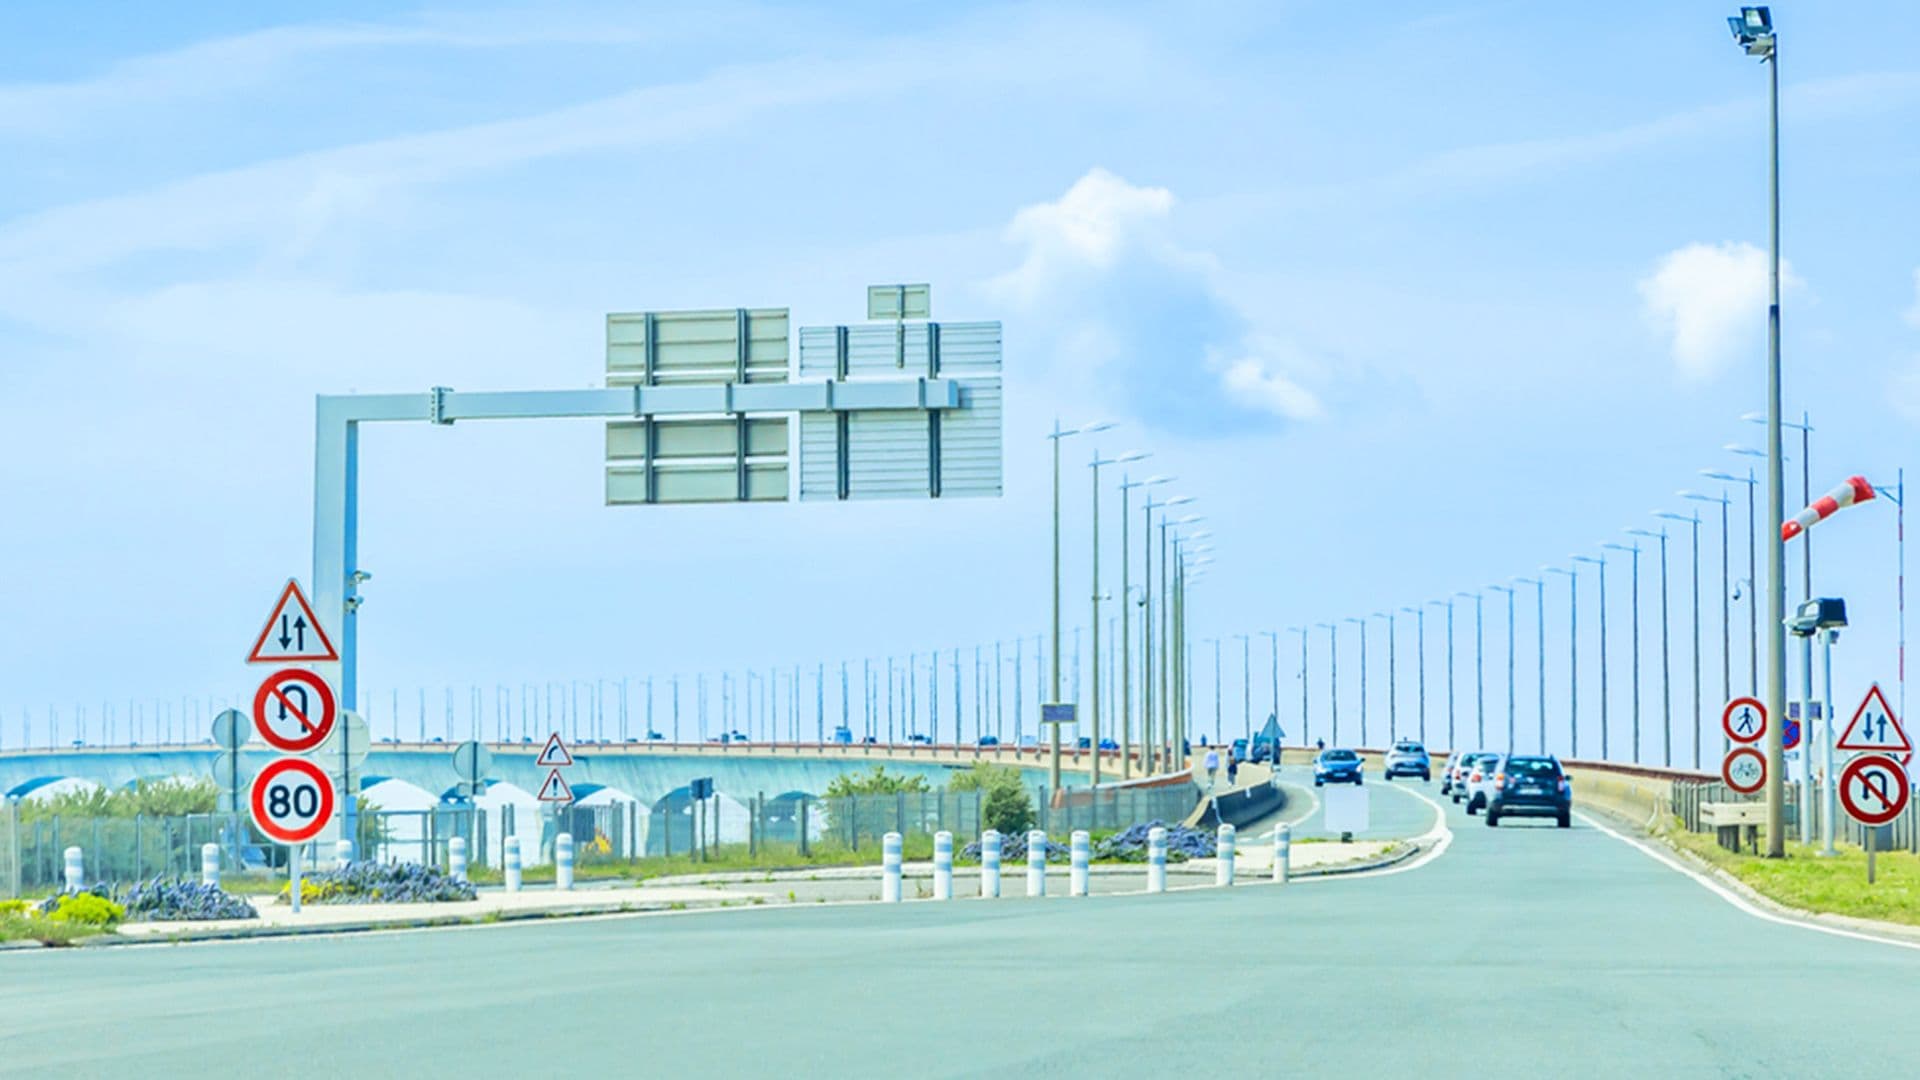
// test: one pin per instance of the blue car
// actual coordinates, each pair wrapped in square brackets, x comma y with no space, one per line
[1336,767]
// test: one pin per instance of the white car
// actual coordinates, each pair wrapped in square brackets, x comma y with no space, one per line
[1480,782]
[1453,779]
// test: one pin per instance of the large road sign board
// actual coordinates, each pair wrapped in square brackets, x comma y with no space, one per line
[1874,728]
[1058,712]
[292,633]
[1744,720]
[294,710]
[1744,770]
[1873,788]
[291,800]
[555,755]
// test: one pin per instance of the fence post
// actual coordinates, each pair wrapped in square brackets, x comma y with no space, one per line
[75,870]
[210,864]
[1282,854]
[890,868]
[1223,855]
[138,861]
[990,863]
[803,827]
[1036,863]
[1156,860]
[1077,883]
[511,859]
[563,861]
[457,858]
[943,865]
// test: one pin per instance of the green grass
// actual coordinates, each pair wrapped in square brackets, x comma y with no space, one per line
[45,931]
[725,858]
[1809,882]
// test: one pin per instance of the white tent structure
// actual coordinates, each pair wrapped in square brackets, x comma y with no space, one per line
[403,809]
[505,802]
[630,834]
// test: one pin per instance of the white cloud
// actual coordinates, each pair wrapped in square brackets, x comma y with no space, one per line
[1710,301]
[1123,308]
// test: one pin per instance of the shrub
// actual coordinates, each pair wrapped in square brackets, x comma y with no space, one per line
[13,907]
[171,901]
[877,782]
[86,909]
[388,883]
[1007,806]
[1131,846]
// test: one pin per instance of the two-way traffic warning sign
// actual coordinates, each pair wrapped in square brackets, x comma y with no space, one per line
[1875,730]
[292,633]
[554,757]
[1744,720]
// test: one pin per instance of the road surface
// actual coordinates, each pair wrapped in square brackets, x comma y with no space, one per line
[1556,952]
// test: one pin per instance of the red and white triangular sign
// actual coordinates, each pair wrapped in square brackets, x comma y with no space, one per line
[556,755]
[293,633]
[555,789]
[1875,728]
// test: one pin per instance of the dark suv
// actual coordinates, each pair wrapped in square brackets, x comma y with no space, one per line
[1531,787]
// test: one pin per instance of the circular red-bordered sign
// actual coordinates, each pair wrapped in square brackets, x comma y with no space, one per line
[294,710]
[1744,770]
[1744,720]
[292,800]
[1873,788]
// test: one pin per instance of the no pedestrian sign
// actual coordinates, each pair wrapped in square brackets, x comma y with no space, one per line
[1744,720]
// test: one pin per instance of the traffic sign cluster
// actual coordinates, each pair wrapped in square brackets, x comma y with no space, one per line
[295,711]
[1873,786]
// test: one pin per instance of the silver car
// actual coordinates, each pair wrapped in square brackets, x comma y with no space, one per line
[1453,779]
[1480,781]
[1408,758]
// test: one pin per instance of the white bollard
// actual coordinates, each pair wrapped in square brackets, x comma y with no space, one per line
[457,858]
[1156,859]
[76,870]
[1082,855]
[1036,863]
[890,868]
[512,859]
[210,864]
[990,864]
[943,866]
[563,861]
[1282,854]
[1223,855]
[342,854]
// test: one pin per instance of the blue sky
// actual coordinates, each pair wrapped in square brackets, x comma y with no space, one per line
[1411,297]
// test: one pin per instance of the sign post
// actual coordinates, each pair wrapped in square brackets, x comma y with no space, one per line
[296,711]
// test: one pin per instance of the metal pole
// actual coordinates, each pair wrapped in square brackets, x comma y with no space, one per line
[1420,647]
[1126,643]
[1776,491]
[1094,702]
[1393,677]
[1304,733]
[1053,767]
[1246,683]
[1830,788]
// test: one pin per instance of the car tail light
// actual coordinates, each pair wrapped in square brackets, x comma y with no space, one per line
[1499,778]
[1476,777]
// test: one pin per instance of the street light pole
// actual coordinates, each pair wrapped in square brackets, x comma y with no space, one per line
[1059,433]
[1420,648]
[1693,522]
[1573,655]
[1094,712]
[1333,677]
[1601,562]
[1540,648]
[1393,678]
[1452,745]
[1126,623]
[1510,702]
[1666,656]
[1634,550]
[1726,611]
[1304,733]
[1753,29]
[1362,624]
[1273,637]
[1479,664]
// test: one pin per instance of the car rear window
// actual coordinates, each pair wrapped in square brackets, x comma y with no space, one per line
[1341,755]
[1408,747]
[1521,766]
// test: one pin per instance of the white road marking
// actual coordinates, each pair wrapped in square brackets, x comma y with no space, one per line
[1735,898]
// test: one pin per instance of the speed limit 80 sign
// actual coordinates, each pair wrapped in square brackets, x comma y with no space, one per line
[292,800]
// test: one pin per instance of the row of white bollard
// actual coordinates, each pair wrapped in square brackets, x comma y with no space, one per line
[1282,854]
[457,858]
[511,871]
[1080,871]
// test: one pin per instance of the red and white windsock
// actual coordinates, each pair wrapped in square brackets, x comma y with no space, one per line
[1855,490]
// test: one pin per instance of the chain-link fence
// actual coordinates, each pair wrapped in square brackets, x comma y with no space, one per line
[1690,795]
[126,849]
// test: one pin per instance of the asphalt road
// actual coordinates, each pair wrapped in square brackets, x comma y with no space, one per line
[1522,950]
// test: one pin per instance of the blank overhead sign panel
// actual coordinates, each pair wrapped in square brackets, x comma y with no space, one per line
[697,357]
[949,452]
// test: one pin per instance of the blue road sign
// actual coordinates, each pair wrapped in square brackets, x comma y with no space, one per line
[1058,712]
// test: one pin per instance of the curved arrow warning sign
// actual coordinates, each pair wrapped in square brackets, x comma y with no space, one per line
[1873,788]
[294,710]
[293,633]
